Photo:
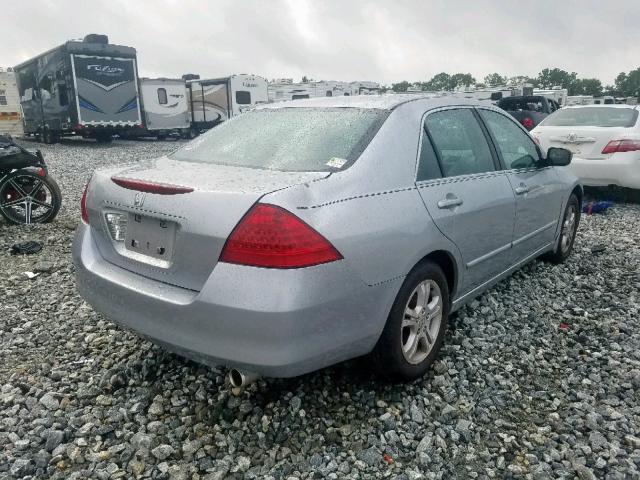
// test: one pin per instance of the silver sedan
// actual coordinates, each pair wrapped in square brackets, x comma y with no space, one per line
[305,233]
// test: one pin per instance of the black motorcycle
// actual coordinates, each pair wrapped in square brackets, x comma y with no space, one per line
[27,193]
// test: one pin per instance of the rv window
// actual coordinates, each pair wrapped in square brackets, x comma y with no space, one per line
[288,139]
[300,96]
[243,98]
[3,97]
[162,96]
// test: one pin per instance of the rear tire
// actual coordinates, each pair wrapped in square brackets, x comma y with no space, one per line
[570,222]
[190,134]
[49,136]
[417,314]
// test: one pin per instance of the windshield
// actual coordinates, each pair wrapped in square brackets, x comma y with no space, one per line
[288,139]
[592,117]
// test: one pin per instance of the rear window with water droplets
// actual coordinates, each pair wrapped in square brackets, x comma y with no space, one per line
[288,139]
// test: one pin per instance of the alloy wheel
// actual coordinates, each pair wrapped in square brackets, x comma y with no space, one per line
[421,322]
[568,228]
[26,199]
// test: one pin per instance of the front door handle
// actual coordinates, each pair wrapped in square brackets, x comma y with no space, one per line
[522,189]
[450,202]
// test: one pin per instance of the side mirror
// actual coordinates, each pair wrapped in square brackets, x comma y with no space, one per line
[559,157]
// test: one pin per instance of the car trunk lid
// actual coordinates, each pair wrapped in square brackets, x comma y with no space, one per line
[583,142]
[176,234]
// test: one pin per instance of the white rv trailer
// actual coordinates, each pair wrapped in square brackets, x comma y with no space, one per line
[558,94]
[286,89]
[212,101]
[165,107]
[10,116]
[579,100]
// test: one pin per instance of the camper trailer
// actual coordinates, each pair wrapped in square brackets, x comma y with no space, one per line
[10,117]
[213,101]
[165,108]
[87,87]
[286,89]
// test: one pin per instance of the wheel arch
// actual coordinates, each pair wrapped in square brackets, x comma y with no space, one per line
[578,191]
[447,262]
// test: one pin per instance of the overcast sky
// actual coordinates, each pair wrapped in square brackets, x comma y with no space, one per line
[385,41]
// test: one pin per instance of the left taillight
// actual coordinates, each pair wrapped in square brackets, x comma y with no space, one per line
[620,146]
[269,236]
[527,123]
[83,205]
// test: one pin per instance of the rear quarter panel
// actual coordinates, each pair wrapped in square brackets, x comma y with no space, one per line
[372,211]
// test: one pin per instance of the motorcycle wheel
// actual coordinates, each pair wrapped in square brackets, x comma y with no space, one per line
[26,197]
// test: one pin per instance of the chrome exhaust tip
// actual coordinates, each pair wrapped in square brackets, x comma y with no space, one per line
[241,378]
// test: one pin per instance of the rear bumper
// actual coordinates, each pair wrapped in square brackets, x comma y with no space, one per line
[622,169]
[278,323]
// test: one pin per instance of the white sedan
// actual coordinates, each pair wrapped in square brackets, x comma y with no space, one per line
[604,139]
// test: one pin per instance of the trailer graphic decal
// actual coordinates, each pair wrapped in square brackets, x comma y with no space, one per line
[130,105]
[107,90]
[88,105]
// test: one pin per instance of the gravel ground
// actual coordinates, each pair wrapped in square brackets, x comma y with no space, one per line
[539,378]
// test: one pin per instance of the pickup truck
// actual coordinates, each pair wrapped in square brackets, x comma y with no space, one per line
[528,110]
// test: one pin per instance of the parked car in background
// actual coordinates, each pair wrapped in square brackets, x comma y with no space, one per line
[304,233]
[604,139]
[529,110]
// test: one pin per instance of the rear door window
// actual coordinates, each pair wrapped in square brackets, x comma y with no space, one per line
[459,142]
[516,147]
[428,167]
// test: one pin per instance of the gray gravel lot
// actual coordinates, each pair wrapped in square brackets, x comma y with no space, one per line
[539,377]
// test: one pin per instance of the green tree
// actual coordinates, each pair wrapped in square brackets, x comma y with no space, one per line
[305,79]
[549,78]
[587,86]
[400,87]
[521,79]
[461,80]
[441,81]
[444,81]
[495,79]
[628,84]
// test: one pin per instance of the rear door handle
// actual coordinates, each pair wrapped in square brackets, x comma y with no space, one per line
[522,189]
[450,202]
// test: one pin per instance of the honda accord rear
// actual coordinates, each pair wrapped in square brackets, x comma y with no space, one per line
[197,251]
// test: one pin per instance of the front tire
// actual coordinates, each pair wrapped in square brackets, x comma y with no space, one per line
[570,222]
[416,326]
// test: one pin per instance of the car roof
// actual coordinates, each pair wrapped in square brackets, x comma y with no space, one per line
[384,102]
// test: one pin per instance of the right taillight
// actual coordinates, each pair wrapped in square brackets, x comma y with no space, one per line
[269,236]
[619,146]
[527,123]
[83,205]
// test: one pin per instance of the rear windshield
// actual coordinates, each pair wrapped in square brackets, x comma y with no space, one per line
[592,117]
[288,139]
